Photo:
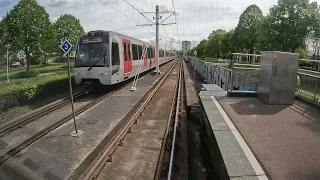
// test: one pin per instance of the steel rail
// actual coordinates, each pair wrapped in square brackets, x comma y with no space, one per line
[45,131]
[23,120]
[99,164]
[175,126]
[159,167]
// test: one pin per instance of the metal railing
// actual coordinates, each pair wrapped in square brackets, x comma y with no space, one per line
[235,75]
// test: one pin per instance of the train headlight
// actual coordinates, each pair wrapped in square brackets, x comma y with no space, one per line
[76,74]
[104,74]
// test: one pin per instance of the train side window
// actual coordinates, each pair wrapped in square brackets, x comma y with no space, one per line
[153,51]
[134,52]
[129,53]
[125,51]
[149,52]
[115,54]
[140,51]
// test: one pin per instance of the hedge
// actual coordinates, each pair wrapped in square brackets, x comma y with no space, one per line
[26,91]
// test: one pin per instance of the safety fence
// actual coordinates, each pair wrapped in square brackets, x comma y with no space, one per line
[231,77]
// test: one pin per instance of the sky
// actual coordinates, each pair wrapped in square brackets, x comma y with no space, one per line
[195,18]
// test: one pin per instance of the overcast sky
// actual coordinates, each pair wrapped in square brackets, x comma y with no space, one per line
[196,18]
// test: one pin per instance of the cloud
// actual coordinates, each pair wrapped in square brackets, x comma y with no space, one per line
[5,2]
[58,3]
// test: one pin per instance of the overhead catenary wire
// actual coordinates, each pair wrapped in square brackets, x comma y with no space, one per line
[124,15]
[139,11]
[175,16]
[169,40]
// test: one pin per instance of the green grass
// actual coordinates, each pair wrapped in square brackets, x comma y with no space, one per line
[43,69]
[307,96]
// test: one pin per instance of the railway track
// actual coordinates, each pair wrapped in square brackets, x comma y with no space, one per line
[12,151]
[23,120]
[20,123]
[106,155]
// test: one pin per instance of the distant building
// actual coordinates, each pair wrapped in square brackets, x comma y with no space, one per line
[186,46]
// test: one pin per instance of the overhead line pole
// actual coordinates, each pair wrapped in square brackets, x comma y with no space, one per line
[157,33]
[157,38]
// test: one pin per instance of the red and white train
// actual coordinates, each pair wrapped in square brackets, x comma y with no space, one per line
[109,57]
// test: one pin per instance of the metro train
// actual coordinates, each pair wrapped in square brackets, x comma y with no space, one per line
[108,57]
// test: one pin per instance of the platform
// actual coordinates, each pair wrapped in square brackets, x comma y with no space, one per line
[59,156]
[253,140]
[286,139]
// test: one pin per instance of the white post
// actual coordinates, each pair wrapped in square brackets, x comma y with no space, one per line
[165,50]
[157,38]
[8,64]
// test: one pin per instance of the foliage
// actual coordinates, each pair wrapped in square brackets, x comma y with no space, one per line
[25,91]
[288,27]
[214,43]
[201,48]
[248,28]
[303,53]
[30,91]
[67,27]
[288,24]
[27,26]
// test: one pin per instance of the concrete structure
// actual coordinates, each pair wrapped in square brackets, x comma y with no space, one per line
[278,77]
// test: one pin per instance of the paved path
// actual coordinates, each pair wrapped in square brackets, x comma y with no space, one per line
[285,139]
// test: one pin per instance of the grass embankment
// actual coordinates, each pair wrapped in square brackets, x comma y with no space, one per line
[23,95]
[16,73]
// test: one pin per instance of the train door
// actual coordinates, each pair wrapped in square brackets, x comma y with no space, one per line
[145,61]
[153,55]
[127,56]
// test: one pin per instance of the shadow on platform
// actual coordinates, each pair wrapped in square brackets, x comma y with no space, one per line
[254,106]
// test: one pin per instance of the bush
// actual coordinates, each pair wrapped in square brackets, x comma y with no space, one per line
[30,92]
[33,73]
[26,91]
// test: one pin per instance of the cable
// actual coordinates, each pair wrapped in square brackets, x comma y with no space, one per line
[118,11]
[175,15]
[139,11]
[125,15]
[165,3]
[167,36]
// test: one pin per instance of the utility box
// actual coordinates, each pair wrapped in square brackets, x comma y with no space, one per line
[278,77]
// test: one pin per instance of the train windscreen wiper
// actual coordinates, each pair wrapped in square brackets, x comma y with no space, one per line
[95,63]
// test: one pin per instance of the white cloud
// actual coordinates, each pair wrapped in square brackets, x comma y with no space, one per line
[196,18]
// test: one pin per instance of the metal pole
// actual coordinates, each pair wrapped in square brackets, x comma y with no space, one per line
[194,69]
[165,50]
[71,96]
[8,65]
[157,38]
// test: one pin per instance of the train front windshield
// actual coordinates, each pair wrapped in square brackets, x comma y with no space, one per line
[93,52]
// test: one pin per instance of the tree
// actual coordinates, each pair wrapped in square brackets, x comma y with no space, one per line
[226,46]
[314,37]
[27,25]
[201,48]
[289,23]
[248,27]
[2,41]
[68,27]
[214,43]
